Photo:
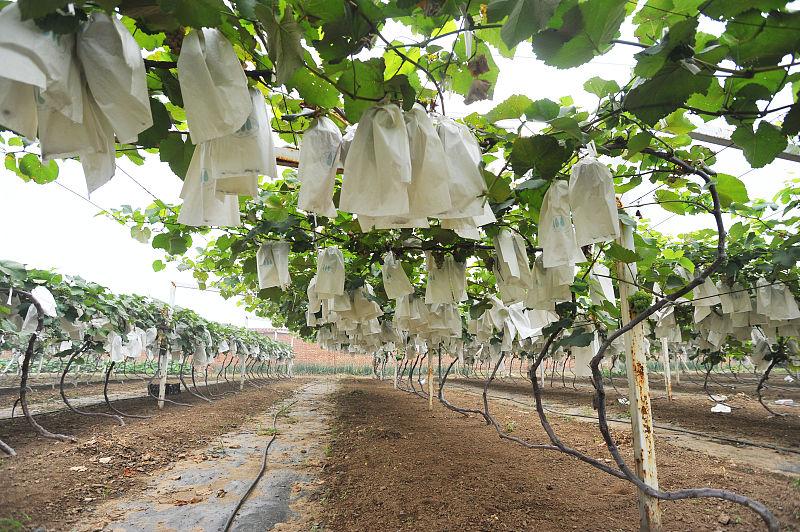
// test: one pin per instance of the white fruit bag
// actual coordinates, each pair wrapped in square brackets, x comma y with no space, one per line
[377,170]
[114,69]
[213,85]
[465,181]
[583,356]
[36,57]
[428,193]
[18,108]
[395,280]
[272,263]
[593,203]
[556,235]
[115,347]
[319,154]
[330,272]
[202,204]
[446,284]
[45,298]
[368,223]
[238,159]
[512,258]
[92,139]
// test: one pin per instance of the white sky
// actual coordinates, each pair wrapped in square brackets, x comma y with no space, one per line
[46,226]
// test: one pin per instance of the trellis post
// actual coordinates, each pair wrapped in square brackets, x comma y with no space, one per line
[430,380]
[162,355]
[667,368]
[644,451]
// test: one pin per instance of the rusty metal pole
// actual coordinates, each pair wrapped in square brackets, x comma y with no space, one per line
[644,450]
[667,369]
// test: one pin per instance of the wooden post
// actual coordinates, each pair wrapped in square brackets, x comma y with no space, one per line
[667,368]
[430,380]
[162,353]
[396,364]
[242,370]
[162,384]
[644,451]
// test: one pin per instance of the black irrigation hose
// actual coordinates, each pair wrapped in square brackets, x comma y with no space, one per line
[735,441]
[263,469]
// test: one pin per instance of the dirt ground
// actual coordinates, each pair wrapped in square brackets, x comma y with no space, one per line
[56,485]
[748,419]
[394,465]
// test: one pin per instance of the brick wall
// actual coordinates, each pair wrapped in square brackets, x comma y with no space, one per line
[310,352]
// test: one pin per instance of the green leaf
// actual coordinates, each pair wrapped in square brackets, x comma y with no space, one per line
[791,122]
[285,49]
[670,201]
[195,13]
[638,142]
[525,18]
[313,89]
[655,98]
[142,234]
[542,152]
[758,41]
[543,110]
[365,80]
[676,45]
[31,166]
[177,153]
[172,243]
[513,107]
[578,338]
[621,254]
[761,147]
[39,8]
[730,189]
[600,87]
[586,29]
[158,265]
[531,184]
[152,137]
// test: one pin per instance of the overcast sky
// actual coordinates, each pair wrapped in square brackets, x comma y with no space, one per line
[47,226]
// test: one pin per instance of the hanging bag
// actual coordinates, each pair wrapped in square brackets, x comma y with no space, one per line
[18,108]
[319,154]
[377,170]
[465,181]
[272,263]
[114,70]
[32,56]
[238,159]
[395,280]
[330,273]
[202,204]
[593,203]
[213,86]
[556,235]
[428,193]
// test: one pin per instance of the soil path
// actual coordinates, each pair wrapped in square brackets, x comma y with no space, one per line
[770,458]
[200,494]
[395,465]
[58,486]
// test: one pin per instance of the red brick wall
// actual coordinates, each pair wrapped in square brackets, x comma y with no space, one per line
[306,352]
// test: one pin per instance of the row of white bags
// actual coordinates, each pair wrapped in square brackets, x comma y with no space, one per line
[588,202]
[73,92]
[399,170]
